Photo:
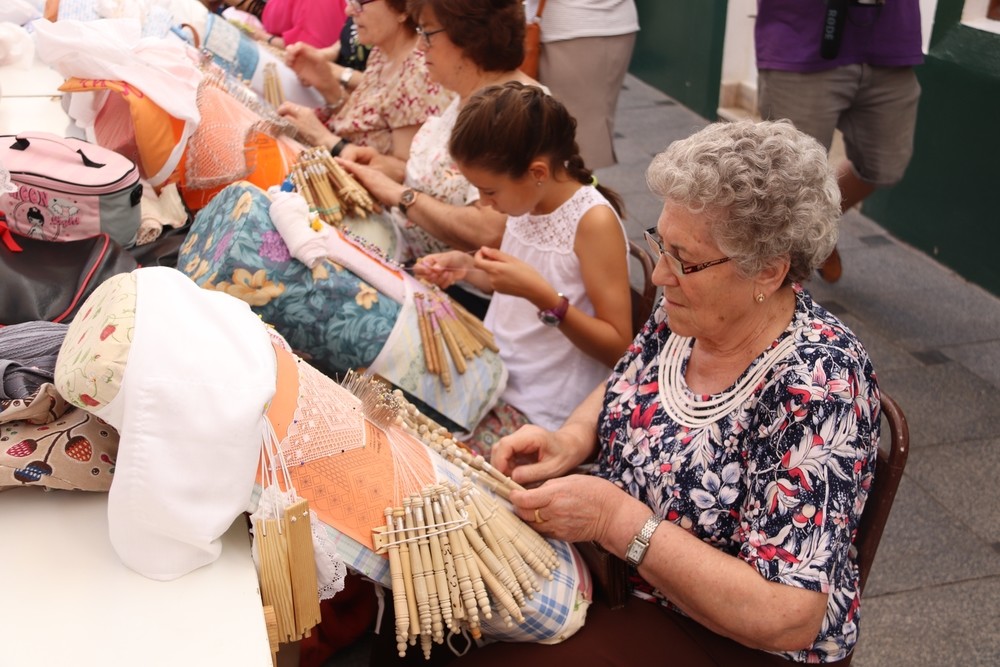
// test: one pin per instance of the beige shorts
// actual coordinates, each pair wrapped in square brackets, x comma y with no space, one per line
[874,107]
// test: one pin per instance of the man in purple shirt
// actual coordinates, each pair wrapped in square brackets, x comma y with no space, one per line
[845,64]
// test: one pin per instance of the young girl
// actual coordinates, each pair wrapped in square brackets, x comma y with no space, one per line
[560,310]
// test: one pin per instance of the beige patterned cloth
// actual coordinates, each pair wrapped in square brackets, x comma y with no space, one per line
[90,368]
[46,442]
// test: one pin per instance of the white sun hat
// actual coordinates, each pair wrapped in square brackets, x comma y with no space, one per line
[185,376]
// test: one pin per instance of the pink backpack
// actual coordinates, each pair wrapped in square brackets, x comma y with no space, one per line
[69,189]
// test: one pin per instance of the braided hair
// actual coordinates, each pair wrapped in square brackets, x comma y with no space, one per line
[504,128]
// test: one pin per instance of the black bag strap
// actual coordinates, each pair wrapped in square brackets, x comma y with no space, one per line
[22,144]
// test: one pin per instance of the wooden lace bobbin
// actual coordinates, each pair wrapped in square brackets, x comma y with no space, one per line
[472,347]
[456,331]
[398,587]
[501,573]
[430,578]
[461,547]
[509,610]
[477,462]
[272,86]
[302,186]
[348,187]
[444,590]
[438,341]
[457,357]
[275,584]
[320,183]
[466,608]
[521,568]
[506,573]
[404,560]
[538,553]
[302,567]
[431,358]
[484,481]
[475,326]
[417,572]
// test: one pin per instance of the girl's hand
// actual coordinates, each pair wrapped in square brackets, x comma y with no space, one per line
[576,508]
[509,275]
[443,269]
[305,121]
[378,184]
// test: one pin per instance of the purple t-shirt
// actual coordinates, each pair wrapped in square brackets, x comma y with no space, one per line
[788,34]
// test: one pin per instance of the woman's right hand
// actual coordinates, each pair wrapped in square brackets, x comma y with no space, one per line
[304,119]
[532,454]
[311,66]
[443,269]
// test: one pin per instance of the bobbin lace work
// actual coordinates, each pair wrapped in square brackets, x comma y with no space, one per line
[327,420]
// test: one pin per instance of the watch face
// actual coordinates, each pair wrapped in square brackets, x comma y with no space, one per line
[407,197]
[549,318]
[636,550]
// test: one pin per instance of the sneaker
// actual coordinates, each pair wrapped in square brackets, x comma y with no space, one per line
[831,269]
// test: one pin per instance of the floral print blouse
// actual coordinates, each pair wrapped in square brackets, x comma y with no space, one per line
[387,100]
[779,481]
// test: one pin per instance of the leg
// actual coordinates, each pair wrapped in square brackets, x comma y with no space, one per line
[852,188]
[586,75]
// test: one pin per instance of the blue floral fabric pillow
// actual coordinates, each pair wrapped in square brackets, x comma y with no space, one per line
[328,314]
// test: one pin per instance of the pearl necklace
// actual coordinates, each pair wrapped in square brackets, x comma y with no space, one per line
[695,413]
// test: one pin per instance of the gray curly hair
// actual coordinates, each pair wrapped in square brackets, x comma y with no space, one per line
[768,190]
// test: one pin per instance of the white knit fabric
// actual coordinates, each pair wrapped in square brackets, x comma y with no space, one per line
[548,374]
[570,19]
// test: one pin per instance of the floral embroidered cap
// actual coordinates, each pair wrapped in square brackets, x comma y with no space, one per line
[185,376]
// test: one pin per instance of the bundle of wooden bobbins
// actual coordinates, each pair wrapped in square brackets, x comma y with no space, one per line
[273,92]
[329,189]
[447,327]
[456,555]
[453,555]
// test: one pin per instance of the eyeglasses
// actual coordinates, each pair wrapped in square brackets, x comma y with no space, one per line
[358,5]
[676,264]
[427,34]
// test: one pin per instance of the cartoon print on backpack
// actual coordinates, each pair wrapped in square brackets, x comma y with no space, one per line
[36,222]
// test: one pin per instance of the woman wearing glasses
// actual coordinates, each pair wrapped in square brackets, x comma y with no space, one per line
[735,442]
[381,108]
[469,44]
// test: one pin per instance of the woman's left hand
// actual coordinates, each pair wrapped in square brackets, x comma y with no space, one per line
[305,121]
[575,508]
[378,184]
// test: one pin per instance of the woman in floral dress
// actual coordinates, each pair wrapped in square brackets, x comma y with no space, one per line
[469,45]
[381,108]
[735,441]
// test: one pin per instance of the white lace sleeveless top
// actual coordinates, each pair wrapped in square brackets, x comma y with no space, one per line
[548,375]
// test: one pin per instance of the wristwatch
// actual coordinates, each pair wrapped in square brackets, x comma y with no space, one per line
[406,200]
[345,77]
[640,543]
[553,317]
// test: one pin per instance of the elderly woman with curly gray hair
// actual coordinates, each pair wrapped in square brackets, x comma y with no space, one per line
[734,443]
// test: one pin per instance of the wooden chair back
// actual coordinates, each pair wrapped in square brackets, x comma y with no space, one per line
[888,473]
[642,300]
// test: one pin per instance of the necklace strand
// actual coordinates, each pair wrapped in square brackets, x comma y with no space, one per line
[694,413]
